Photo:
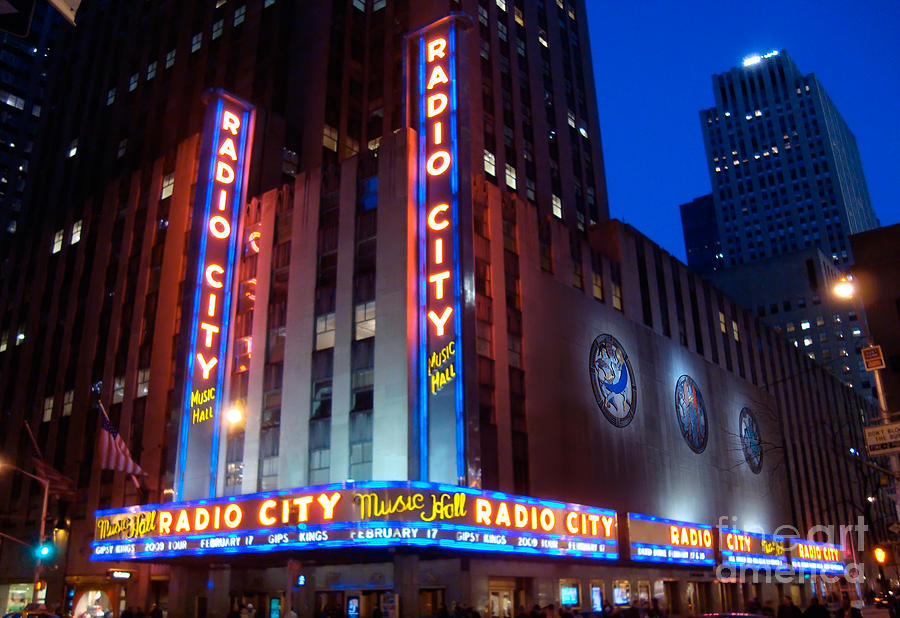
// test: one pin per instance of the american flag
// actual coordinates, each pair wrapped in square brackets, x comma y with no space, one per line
[114,454]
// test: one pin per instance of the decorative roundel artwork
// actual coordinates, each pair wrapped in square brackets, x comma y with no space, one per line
[612,380]
[691,413]
[751,443]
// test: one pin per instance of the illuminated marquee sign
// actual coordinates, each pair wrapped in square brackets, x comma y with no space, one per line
[371,514]
[441,433]
[654,539]
[742,549]
[815,557]
[219,192]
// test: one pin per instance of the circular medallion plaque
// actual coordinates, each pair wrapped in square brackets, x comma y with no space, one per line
[691,413]
[612,380]
[751,443]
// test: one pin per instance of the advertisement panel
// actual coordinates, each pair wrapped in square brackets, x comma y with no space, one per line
[654,539]
[370,514]
[219,193]
[743,549]
[815,557]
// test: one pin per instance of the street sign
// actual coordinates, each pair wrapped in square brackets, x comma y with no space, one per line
[883,439]
[873,358]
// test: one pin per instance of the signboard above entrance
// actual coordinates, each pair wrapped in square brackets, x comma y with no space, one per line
[370,514]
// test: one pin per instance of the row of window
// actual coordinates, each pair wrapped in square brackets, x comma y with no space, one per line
[60,236]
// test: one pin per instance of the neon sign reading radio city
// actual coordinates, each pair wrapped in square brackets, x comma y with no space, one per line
[354,515]
[219,195]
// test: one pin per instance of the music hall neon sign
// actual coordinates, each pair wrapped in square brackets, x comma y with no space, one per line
[219,195]
[440,357]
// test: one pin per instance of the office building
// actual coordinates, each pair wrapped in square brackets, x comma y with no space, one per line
[378,232]
[787,179]
[701,234]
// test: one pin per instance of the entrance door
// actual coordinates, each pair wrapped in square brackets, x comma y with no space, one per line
[502,602]
[329,602]
[673,600]
[430,601]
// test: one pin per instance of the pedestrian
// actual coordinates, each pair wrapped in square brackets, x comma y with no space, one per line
[815,609]
[787,609]
[128,613]
[234,613]
[655,611]
[291,613]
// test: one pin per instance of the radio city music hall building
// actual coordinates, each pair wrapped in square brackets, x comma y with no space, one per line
[379,231]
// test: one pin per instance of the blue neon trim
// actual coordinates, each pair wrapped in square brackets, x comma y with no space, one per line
[663,520]
[189,369]
[454,195]
[423,334]
[765,537]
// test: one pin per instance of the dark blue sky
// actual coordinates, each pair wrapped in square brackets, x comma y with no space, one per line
[653,62]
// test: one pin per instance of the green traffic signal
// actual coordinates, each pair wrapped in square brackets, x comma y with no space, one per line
[44,551]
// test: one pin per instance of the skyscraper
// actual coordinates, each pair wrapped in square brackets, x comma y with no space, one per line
[784,166]
[787,183]
[345,275]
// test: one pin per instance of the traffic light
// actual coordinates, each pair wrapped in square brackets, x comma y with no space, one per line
[880,555]
[46,551]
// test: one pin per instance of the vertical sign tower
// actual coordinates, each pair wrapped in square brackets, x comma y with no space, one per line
[220,193]
[440,414]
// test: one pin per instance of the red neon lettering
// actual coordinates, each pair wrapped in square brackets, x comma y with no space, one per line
[231,123]
[435,104]
[436,48]
[222,197]
[548,519]
[224,172]
[439,321]
[433,222]
[233,515]
[573,529]
[165,522]
[438,137]
[438,280]
[438,163]
[437,77]
[254,240]
[206,365]
[211,306]
[214,269]
[227,149]
[328,504]
[210,331]
[219,227]
[439,251]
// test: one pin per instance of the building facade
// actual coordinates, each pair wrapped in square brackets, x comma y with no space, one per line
[303,211]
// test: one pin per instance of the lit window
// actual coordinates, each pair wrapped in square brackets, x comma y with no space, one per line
[196,42]
[168,186]
[143,382]
[520,19]
[4,340]
[857,332]
[556,204]
[843,353]
[837,318]
[217,29]
[374,144]
[722,322]
[325,331]
[48,409]
[360,4]
[598,285]
[734,330]
[796,344]
[151,70]
[118,393]
[58,241]
[329,138]
[170,58]
[807,341]
[13,101]
[501,4]
[132,82]
[617,296]
[73,148]
[482,15]
[220,3]
[571,118]
[490,163]
[364,326]
[268,3]
[542,38]
[510,177]
[68,400]
[377,5]
[20,335]
[239,14]
[789,327]
[110,96]
[820,321]
[804,325]
[76,232]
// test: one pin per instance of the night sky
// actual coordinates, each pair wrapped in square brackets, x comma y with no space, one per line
[653,62]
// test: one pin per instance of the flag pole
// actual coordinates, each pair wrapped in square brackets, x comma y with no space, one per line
[33,441]
[96,390]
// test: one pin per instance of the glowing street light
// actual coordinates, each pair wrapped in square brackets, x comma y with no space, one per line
[845,288]
[234,415]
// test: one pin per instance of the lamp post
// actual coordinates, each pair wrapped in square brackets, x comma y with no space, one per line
[46,483]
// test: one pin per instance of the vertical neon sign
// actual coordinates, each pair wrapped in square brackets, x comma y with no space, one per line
[440,415]
[220,192]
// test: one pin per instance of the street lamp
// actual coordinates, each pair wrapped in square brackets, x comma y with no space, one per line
[43,550]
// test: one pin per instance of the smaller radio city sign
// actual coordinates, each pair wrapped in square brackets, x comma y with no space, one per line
[654,539]
[752,550]
[814,557]
[370,514]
